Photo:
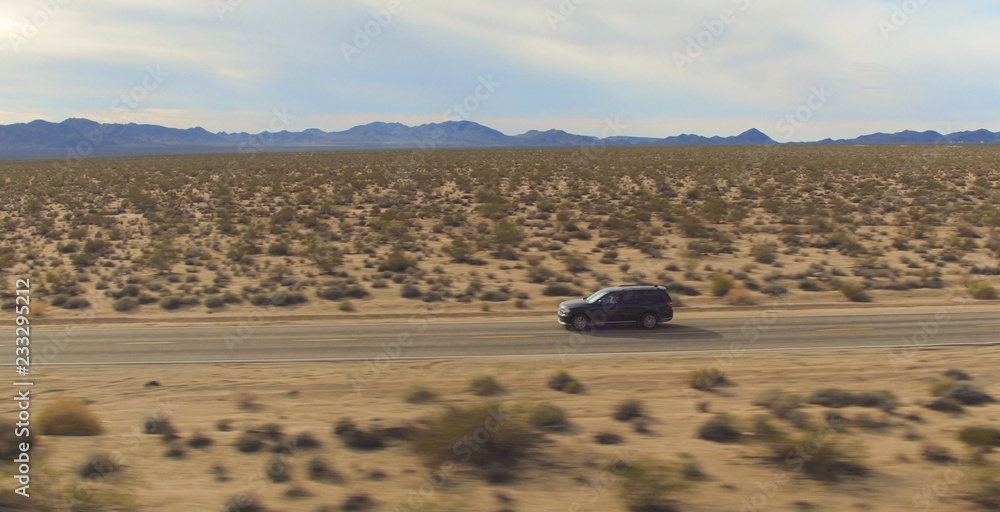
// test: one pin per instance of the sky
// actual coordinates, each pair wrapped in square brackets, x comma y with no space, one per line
[795,69]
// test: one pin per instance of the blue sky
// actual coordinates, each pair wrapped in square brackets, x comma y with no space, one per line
[795,69]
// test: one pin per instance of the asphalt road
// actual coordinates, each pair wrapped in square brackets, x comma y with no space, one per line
[769,331]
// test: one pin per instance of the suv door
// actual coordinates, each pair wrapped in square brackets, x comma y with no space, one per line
[630,306]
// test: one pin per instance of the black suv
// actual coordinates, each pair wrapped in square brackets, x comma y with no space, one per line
[645,305]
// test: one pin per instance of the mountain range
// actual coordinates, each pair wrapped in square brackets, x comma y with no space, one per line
[82,137]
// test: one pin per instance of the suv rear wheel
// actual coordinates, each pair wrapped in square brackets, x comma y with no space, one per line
[648,320]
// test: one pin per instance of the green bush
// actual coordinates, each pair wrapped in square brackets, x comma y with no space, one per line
[67,417]
[486,385]
[561,290]
[722,428]
[819,454]
[98,467]
[214,302]
[171,302]
[563,381]
[763,253]
[419,394]
[721,285]
[396,261]
[548,417]
[838,398]
[986,491]
[649,486]
[410,291]
[855,292]
[628,410]
[980,437]
[981,290]
[493,436]
[779,403]
[706,379]
[125,304]
[967,394]
[941,387]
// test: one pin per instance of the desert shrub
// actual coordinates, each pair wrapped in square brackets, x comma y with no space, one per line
[838,398]
[967,394]
[692,227]
[608,438]
[561,290]
[277,470]
[740,297]
[946,405]
[305,441]
[649,486]
[548,417]
[411,291]
[563,381]
[214,302]
[249,443]
[243,503]
[763,253]
[941,387]
[507,437]
[175,452]
[358,503]
[125,304]
[986,489]
[819,454]
[494,296]
[338,292]
[980,437]
[98,466]
[486,385]
[981,290]
[158,425]
[199,440]
[628,410]
[396,261]
[76,303]
[357,438]
[575,262]
[779,403]
[171,302]
[721,285]
[956,374]
[419,394]
[807,285]
[320,470]
[867,422]
[68,417]
[706,379]
[936,454]
[722,428]
[854,292]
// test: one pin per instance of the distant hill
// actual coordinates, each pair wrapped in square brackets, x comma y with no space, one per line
[83,137]
[928,137]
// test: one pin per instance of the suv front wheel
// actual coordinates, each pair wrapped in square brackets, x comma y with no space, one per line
[580,322]
[648,320]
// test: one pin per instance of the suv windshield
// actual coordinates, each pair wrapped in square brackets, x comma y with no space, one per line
[596,296]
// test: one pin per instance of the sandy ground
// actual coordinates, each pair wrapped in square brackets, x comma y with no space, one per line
[567,471]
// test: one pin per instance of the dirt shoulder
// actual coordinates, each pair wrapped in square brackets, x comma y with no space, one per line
[564,468]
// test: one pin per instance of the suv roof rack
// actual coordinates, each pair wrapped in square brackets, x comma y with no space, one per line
[660,286]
